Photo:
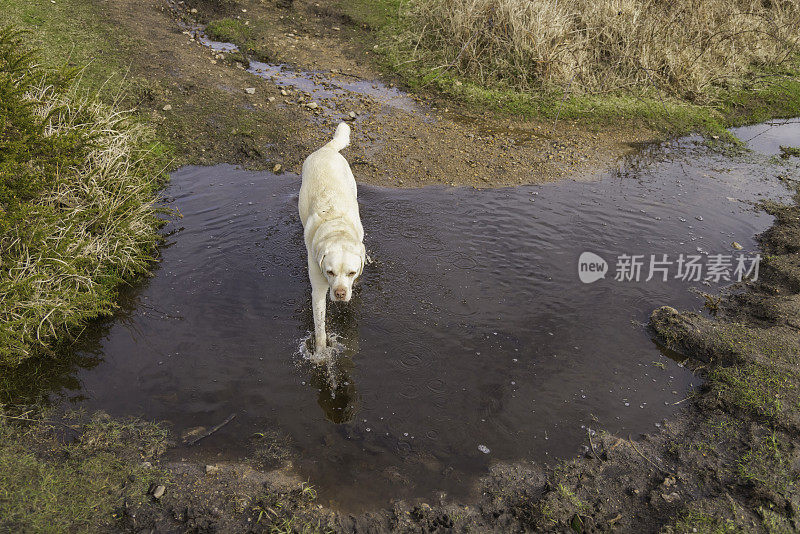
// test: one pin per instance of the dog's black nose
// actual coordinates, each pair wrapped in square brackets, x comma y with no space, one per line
[340,293]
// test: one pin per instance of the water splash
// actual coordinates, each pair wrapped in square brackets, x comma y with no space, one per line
[327,355]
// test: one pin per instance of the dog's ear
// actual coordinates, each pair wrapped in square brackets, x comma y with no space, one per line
[363,258]
[321,257]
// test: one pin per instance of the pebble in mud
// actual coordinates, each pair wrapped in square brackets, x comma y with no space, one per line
[159,491]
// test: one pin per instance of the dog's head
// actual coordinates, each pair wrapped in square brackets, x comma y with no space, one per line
[342,264]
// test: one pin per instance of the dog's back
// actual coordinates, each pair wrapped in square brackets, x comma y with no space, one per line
[328,187]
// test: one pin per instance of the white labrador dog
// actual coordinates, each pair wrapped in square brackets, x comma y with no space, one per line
[332,227]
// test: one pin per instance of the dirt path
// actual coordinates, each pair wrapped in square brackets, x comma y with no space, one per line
[398,140]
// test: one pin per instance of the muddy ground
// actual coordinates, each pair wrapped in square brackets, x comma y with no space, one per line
[211,119]
[728,462]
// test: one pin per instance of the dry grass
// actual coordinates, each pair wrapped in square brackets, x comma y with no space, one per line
[683,47]
[86,224]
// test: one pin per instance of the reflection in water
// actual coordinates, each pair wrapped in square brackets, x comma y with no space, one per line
[332,373]
[54,377]
[337,392]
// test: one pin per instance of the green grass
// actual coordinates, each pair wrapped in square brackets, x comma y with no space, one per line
[790,151]
[77,185]
[288,512]
[71,35]
[702,523]
[756,389]
[374,14]
[768,465]
[229,31]
[49,486]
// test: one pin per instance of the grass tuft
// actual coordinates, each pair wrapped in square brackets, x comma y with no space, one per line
[77,187]
[683,48]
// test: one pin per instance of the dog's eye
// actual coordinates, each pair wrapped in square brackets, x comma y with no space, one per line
[351,273]
[330,272]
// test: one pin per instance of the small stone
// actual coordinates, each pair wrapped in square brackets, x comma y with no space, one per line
[191,433]
[736,245]
[271,99]
[250,90]
[352,114]
[458,83]
[284,93]
[212,469]
[715,137]
[166,107]
[337,29]
[312,105]
[671,498]
[159,491]
[484,449]
[277,167]
[146,465]
[193,10]
[334,71]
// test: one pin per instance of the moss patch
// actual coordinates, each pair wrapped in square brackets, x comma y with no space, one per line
[47,485]
[228,30]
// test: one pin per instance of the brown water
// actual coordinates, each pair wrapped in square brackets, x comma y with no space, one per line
[469,340]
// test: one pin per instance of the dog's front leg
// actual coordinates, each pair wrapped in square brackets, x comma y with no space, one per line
[319,294]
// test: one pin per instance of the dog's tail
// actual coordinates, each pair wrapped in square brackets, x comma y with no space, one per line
[341,138]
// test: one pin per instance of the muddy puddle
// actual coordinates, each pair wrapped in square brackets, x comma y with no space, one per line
[332,93]
[768,137]
[469,340]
